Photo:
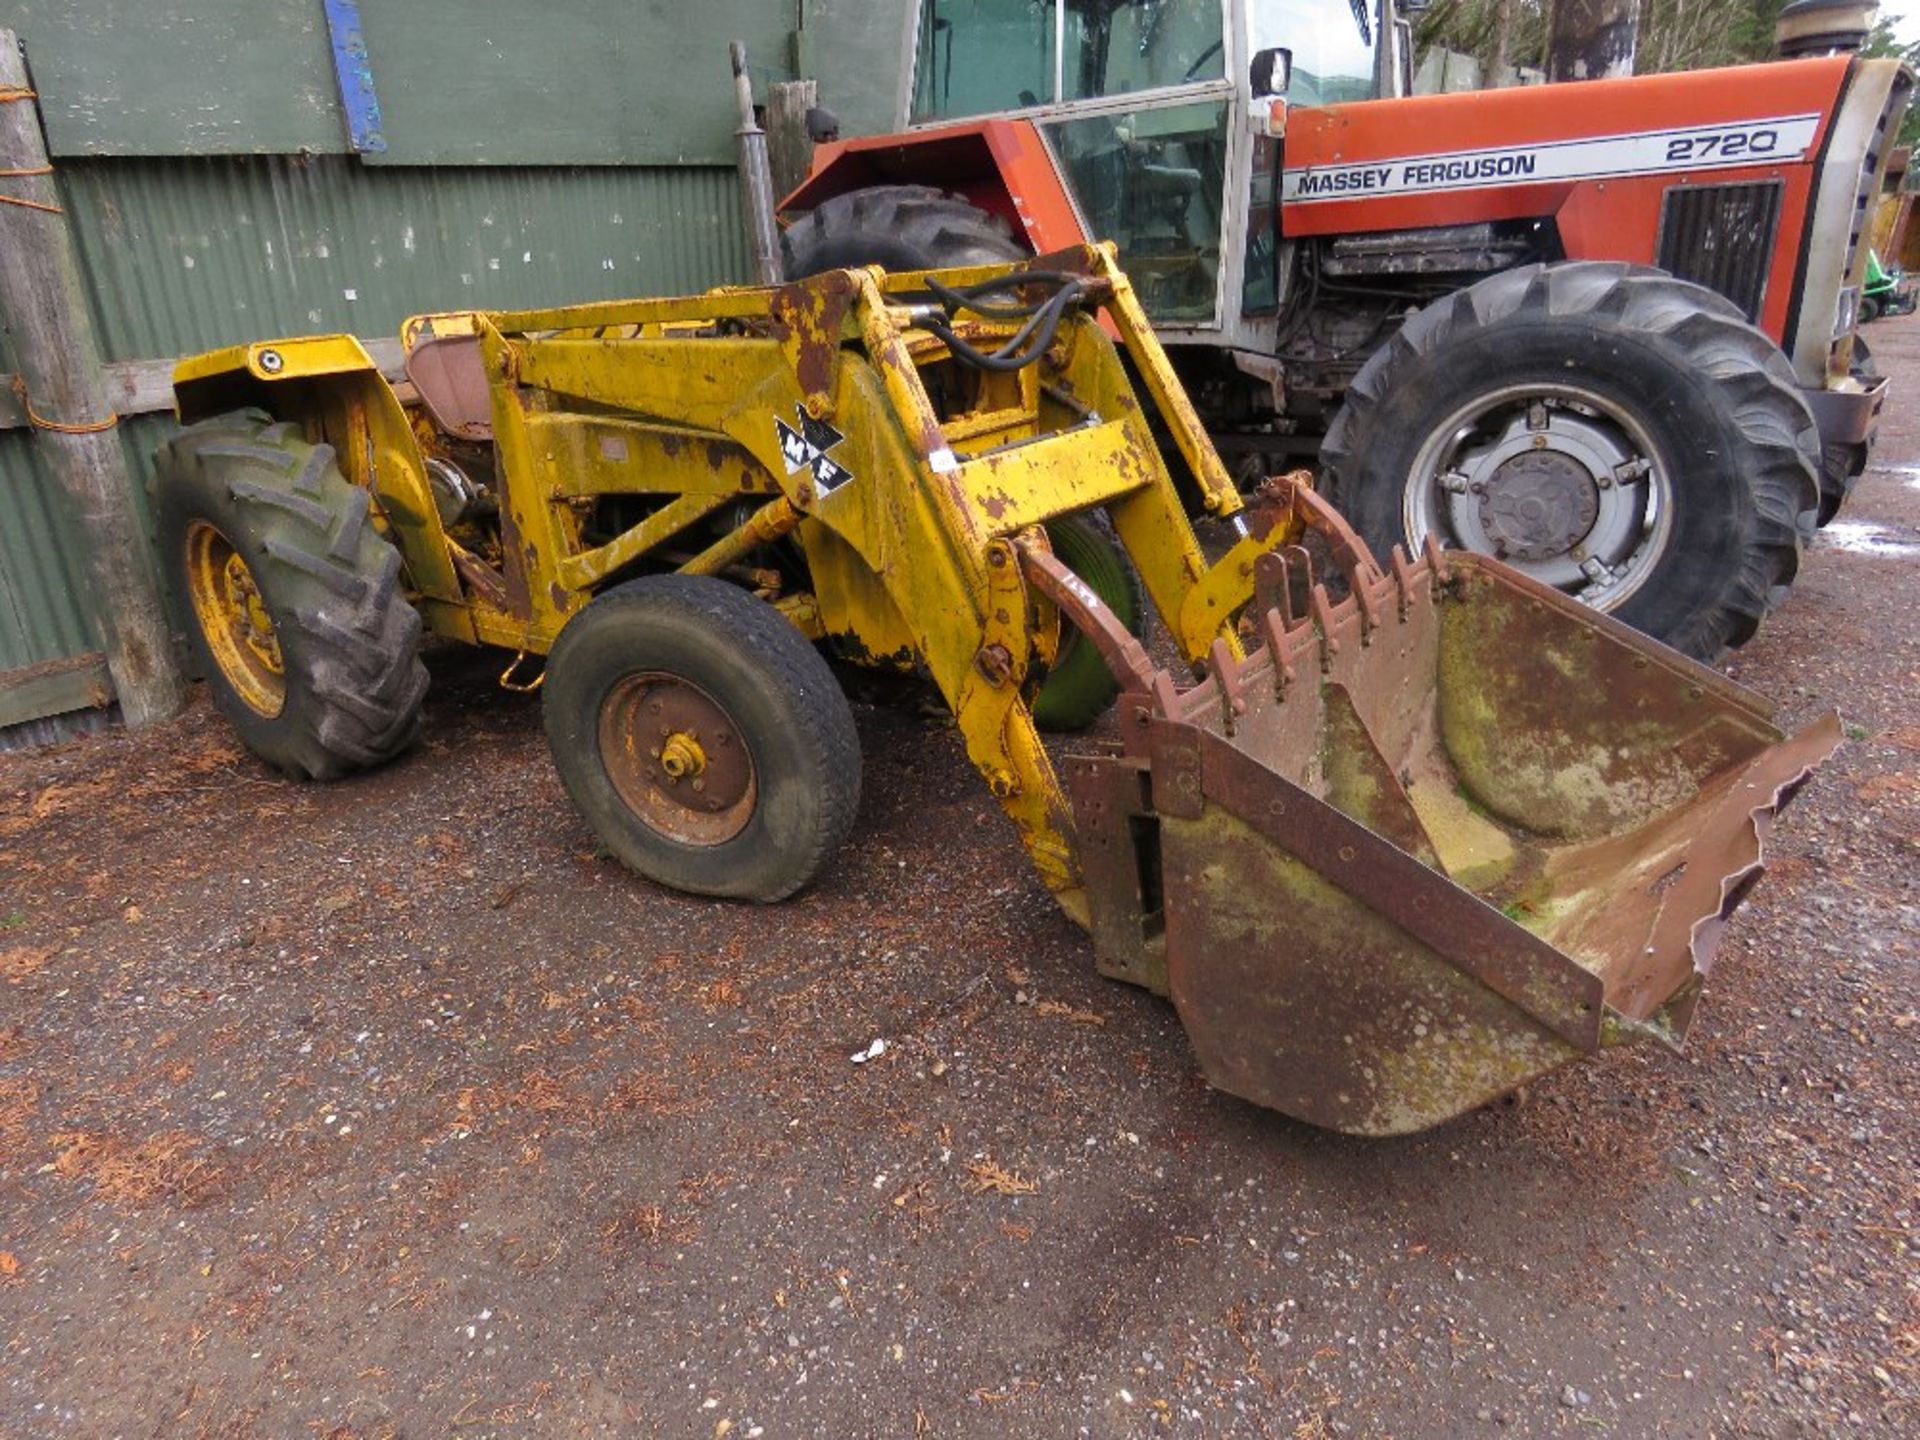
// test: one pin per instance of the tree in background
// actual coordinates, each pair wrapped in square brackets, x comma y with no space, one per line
[1884,42]
[1674,34]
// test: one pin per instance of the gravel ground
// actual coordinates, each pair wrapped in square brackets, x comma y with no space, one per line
[390,1109]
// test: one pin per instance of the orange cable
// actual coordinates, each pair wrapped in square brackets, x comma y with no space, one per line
[40,422]
[7,95]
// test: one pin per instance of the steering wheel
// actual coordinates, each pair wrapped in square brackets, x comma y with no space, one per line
[1204,56]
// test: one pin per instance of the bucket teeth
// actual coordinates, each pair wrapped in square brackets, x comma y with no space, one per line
[1430,840]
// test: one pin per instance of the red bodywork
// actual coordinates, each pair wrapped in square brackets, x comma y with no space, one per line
[1003,167]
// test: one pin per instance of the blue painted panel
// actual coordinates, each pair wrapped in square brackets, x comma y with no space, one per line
[353,68]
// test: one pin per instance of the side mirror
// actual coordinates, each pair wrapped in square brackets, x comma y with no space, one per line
[1271,72]
[823,126]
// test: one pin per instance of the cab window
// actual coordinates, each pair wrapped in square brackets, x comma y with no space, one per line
[1120,49]
[980,56]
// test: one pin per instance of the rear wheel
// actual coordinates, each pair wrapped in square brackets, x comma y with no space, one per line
[902,227]
[297,617]
[706,742]
[1622,435]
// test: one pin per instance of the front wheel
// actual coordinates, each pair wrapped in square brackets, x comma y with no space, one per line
[1611,431]
[704,740]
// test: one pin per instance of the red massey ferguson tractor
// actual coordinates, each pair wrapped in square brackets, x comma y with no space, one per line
[1605,332]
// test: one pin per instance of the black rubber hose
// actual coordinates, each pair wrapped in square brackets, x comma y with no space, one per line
[1030,341]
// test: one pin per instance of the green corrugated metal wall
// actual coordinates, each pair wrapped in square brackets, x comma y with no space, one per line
[464,82]
[186,254]
[192,253]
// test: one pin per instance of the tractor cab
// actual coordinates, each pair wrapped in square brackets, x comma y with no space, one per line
[1157,114]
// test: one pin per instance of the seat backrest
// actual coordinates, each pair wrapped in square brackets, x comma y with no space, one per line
[450,375]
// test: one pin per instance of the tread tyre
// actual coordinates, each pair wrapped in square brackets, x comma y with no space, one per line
[1079,689]
[1669,367]
[671,680]
[902,227]
[296,613]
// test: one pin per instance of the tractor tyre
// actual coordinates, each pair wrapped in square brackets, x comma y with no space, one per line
[1842,464]
[902,227]
[297,617]
[1079,688]
[706,742]
[1604,428]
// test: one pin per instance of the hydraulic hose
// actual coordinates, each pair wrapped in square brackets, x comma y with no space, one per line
[1027,344]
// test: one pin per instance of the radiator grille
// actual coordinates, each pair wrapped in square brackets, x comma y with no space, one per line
[1722,237]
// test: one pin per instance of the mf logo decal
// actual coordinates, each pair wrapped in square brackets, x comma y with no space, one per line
[806,449]
[1655,152]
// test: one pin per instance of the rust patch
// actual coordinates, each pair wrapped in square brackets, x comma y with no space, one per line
[484,580]
[808,317]
[518,558]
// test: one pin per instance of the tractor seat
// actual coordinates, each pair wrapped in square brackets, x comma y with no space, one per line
[450,376]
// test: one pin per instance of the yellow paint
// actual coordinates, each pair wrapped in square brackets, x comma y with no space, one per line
[276,360]
[234,620]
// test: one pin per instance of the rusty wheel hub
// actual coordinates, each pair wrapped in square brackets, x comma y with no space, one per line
[676,759]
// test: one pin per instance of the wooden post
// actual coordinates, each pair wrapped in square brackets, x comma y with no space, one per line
[44,307]
[789,151]
[1592,39]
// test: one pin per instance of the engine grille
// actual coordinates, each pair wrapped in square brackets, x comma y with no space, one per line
[1722,237]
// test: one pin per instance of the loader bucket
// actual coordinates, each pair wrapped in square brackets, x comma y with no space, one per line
[1429,842]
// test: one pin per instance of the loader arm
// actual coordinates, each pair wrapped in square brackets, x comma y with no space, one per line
[912,513]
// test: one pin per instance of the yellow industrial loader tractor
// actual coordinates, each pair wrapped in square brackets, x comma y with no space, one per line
[1419,834]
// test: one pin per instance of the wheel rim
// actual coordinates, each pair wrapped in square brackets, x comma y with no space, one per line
[1559,482]
[233,617]
[677,759]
